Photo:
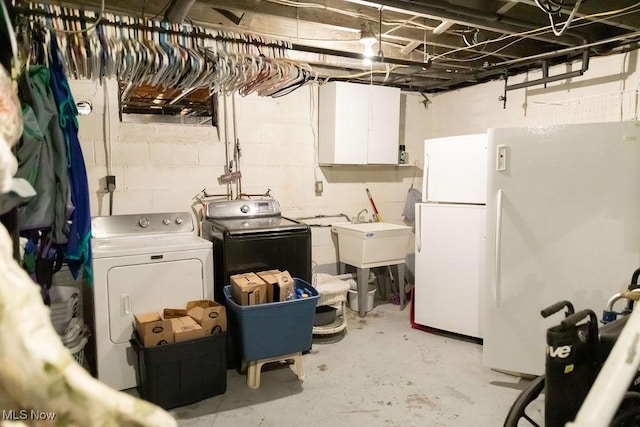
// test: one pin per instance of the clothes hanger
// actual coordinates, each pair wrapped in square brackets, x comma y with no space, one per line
[96,55]
[162,53]
[117,50]
[287,86]
[173,55]
[79,38]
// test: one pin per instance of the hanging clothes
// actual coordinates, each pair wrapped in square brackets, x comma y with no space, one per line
[43,140]
[42,160]
[77,252]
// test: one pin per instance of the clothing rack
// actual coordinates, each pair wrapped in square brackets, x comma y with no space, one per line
[88,17]
[180,56]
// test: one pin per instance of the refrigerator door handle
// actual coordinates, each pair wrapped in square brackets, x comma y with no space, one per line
[497,256]
[419,227]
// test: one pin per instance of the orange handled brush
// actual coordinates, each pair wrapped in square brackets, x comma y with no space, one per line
[373,205]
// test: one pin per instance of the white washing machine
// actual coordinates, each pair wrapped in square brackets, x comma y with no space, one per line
[142,263]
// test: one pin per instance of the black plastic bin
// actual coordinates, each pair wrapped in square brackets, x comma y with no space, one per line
[178,374]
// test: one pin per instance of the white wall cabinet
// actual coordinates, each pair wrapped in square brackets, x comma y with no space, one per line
[358,124]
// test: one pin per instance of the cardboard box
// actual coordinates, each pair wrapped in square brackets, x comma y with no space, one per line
[152,329]
[171,313]
[280,286]
[271,280]
[185,329]
[248,289]
[211,316]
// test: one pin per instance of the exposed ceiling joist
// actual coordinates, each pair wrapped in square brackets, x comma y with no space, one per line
[475,18]
[409,47]
[464,42]
[442,27]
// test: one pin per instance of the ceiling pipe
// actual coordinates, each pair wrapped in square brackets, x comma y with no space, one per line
[354,55]
[178,10]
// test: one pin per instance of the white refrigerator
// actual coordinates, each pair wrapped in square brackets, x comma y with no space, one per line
[450,235]
[563,223]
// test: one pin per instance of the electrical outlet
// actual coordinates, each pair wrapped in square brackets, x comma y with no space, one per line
[111,182]
[319,188]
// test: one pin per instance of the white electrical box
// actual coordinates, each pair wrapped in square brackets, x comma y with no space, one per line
[501,158]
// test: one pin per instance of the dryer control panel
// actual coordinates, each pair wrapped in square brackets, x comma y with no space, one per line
[142,224]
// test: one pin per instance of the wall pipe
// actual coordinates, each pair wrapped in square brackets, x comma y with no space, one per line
[227,166]
[499,69]
[548,79]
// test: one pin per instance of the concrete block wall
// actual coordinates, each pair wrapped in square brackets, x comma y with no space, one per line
[161,167]
[608,91]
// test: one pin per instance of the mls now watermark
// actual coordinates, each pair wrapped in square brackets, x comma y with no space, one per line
[27,414]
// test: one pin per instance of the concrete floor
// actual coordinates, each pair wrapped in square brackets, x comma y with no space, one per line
[381,372]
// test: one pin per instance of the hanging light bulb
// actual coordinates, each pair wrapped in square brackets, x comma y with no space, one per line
[368,54]
[367,38]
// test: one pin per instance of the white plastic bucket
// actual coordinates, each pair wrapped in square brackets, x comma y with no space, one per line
[353,298]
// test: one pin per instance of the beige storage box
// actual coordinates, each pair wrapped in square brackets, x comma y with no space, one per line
[153,329]
[248,289]
[211,316]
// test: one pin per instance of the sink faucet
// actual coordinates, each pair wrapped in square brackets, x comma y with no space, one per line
[360,213]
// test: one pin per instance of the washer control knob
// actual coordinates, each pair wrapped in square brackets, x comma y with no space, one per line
[179,220]
[144,222]
[166,221]
[244,208]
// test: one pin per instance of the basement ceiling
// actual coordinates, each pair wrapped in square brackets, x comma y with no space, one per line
[424,46]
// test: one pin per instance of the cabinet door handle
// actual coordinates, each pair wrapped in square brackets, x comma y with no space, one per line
[496,262]
[419,227]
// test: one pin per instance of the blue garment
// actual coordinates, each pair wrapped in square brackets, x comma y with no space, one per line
[77,251]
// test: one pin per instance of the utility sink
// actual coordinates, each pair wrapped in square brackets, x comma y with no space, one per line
[371,244]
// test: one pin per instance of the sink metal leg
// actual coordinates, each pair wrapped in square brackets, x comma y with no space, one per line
[398,272]
[400,277]
[363,288]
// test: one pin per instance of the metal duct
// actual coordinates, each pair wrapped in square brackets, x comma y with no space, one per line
[178,10]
